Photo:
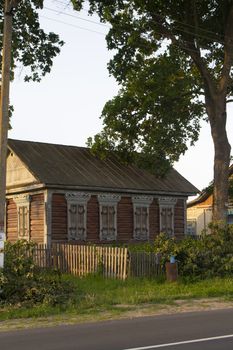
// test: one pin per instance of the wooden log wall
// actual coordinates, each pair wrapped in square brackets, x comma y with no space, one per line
[36,216]
[124,219]
[179,219]
[11,221]
[59,217]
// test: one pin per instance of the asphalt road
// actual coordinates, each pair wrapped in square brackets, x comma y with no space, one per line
[188,331]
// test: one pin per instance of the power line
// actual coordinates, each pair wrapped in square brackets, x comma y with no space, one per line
[183,23]
[90,30]
[68,4]
[72,25]
[78,17]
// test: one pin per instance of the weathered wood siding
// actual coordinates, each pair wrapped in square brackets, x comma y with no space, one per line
[59,218]
[37,218]
[179,219]
[154,219]
[17,174]
[125,220]
[93,220]
[11,221]
[207,202]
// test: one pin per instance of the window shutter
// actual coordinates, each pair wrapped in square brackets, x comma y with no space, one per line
[77,210]
[163,217]
[111,220]
[72,221]
[81,221]
[108,213]
[167,207]
[141,206]
[21,221]
[23,212]
[169,221]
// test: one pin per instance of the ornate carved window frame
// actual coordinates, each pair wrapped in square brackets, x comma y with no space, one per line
[108,200]
[77,199]
[142,202]
[23,204]
[165,204]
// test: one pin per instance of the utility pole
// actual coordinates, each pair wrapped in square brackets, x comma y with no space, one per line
[4,104]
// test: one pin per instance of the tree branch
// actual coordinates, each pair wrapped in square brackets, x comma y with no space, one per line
[228,53]
[189,48]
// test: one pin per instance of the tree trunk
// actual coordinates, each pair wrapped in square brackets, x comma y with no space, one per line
[216,109]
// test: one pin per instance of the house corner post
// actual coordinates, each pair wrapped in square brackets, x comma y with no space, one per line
[48,217]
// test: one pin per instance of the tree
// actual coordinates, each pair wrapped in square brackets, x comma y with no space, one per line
[33,49]
[173,60]
[22,42]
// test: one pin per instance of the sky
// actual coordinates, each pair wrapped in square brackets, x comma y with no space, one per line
[65,107]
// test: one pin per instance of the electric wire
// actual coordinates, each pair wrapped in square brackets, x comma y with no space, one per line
[72,25]
[179,22]
[77,17]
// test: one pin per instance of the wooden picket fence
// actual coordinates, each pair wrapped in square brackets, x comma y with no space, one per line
[81,260]
[145,264]
[112,262]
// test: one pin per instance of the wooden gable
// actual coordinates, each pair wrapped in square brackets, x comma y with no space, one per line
[17,173]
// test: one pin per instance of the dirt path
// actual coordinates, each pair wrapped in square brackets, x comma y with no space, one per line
[120,311]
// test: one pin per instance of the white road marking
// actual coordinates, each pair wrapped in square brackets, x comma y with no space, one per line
[181,342]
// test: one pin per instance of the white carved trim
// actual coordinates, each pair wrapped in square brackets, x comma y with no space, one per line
[108,200]
[77,197]
[143,201]
[22,200]
[169,201]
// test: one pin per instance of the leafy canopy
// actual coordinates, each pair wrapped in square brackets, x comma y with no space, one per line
[32,48]
[163,53]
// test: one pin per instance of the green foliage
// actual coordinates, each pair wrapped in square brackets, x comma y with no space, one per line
[167,56]
[209,189]
[210,256]
[22,282]
[32,48]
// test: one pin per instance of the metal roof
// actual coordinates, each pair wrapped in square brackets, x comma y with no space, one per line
[60,165]
[205,194]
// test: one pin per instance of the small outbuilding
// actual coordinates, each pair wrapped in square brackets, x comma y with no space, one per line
[199,211]
[58,193]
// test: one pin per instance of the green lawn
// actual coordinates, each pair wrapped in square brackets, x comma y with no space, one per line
[94,296]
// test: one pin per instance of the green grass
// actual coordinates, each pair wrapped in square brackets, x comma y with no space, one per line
[94,296]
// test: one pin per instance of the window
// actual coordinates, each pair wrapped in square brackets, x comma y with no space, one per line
[166,208]
[230,219]
[23,219]
[23,216]
[108,216]
[141,206]
[191,227]
[77,215]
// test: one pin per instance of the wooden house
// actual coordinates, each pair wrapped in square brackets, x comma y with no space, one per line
[58,193]
[199,211]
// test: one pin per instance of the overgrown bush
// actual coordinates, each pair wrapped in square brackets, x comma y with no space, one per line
[210,256]
[21,281]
